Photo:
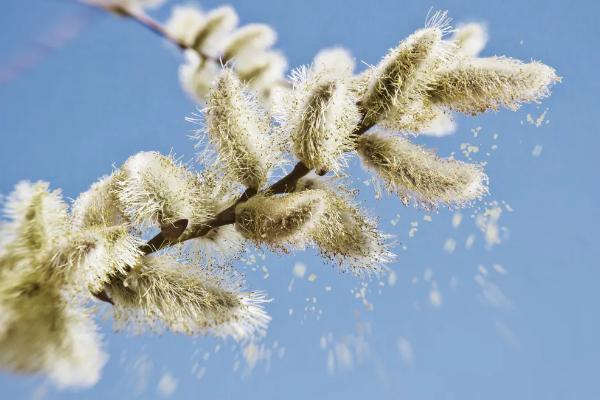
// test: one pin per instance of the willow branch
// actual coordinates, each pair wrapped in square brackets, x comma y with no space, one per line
[144,20]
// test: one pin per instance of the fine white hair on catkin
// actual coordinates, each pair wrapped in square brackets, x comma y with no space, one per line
[248,40]
[469,39]
[335,62]
[36,219]
[96,255]
[349,238]
[163,293]
[417,174]
[204,33]
[154,189]
[395,95]
[197,75]
[263,72]
[98,206]
[218,23]
[239,129]
[218,247]
[280,221]
[477,85]
[39,326]
[319,116]
[48,333]
[78,362]
[184,23]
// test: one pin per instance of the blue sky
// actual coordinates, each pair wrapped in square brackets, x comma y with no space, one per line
[529,333]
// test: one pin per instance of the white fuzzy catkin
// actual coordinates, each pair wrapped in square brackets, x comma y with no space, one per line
[204,33]
[98,254]
[164,293]
[217,24]
[280,220]
[469,39]
[349,238]
[218,247]
[156,189]
[43,328]
[334,62]
[36,220]
[477,85]
[98,206]
[417,174]
[184,23]
[197,75]
[319,116]
[248,40]
[79,360]
[396,92]
[262,72]
[239,129]
[47,333]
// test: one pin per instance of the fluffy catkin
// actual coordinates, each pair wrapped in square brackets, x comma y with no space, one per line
[262,72]
[477,85]
[163,293]
[97,207]
[280,220]
[197,75]
[469,39]
[240,131]
[43,329]
[334,62]
[349,238]
[98,254]
[248,40]
[319,116]
[417,174]
[218,247]
[395,93]
[155,189]
[36,219]
[184,23]
[204,33]
[46,333]
[217,24]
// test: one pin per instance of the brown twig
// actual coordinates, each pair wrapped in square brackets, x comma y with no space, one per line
[146,21]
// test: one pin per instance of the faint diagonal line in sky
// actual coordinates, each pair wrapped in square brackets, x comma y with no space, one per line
[40,47]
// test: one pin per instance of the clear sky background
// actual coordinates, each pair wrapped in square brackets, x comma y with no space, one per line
[526,330]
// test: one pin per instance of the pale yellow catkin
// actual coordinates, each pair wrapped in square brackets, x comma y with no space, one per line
[395,93]
[164,293]
[280,220]
[248,39]
[469,39]
[349,238]
[319,116]
[477,85]
[239,129]
[96,255]
[98,206]
[154,189]
[417,174]
[44,328]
